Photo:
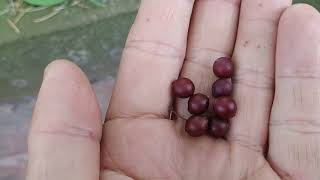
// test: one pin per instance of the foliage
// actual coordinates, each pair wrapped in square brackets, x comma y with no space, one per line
[15,10]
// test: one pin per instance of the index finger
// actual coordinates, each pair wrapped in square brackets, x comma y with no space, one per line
[152,59]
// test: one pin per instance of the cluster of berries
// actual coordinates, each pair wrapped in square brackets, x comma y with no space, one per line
[216,124]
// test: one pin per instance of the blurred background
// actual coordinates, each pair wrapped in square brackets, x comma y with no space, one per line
[91,33]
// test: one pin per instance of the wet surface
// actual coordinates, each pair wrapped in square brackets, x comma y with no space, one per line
[14,122]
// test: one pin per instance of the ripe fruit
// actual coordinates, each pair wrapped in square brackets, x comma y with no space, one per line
[217,123]
[182,88]
[222,87]
[198,104]
[223,67]
[197,126]
[218,128]
[225,107]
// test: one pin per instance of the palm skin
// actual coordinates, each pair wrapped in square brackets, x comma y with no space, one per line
[274,135]
[161,151]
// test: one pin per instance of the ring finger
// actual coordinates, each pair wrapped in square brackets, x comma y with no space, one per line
[212,35]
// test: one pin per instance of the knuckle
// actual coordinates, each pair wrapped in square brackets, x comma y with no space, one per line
[70,131]
[254,78]
[298,125]
[137,115]
[201,56]
[299,74]
[205,52]
[156,48]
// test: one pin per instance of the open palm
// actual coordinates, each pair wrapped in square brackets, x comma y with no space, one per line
[275,134]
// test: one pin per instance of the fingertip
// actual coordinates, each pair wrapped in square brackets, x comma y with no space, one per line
[66,100]
[61,67]
[300,14]
[298,37]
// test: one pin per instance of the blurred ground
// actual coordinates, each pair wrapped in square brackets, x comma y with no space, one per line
[15,118]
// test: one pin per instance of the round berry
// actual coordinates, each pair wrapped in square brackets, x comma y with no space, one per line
[198,104]
[197,126]
[183,88]
[223,67]
[218,128]
[225,107]
[222,87]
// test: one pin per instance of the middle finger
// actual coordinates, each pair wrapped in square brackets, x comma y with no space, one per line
[212,35]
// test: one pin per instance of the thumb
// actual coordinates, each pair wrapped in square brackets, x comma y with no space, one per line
[64,139]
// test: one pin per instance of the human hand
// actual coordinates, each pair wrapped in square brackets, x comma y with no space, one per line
[275,134]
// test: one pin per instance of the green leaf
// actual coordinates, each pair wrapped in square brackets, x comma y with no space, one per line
[44,2]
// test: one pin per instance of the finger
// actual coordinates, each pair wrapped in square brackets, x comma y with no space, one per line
[64,139]
[254,79]
[152,59]
[294,127]
[212,35]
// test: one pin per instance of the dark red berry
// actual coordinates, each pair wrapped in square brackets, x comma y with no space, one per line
[182,88]
[225,107]
[223,67]
[198,104]
[219,128]
[197,126]
[222,87]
